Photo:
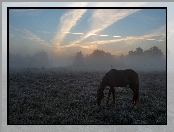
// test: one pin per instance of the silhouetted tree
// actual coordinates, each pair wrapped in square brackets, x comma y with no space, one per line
[149,59]
[100,60]
[156,52]
[121,57]
[139,51]
[78,60]
[130,53]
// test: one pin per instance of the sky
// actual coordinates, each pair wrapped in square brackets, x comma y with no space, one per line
[67,31]
[25,39]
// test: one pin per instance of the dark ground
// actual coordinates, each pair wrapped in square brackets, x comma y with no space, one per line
[69,97]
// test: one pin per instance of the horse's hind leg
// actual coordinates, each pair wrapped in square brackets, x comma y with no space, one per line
[134,93]
[133,100]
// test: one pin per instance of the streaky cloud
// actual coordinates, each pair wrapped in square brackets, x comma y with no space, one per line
[66,32]
[14,28]
[28,35]
[102,19]
[77,33]
[161,31]
[89,46]
[32,37]
[128,40]
[90,34]
[160,40]
[150,39]
[67,21]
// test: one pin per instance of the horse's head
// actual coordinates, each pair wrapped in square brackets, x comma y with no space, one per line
[100,96]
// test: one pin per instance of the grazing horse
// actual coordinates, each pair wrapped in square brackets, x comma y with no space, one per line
[119,78]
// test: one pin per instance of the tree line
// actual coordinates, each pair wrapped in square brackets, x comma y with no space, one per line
[38,60]
[152,59]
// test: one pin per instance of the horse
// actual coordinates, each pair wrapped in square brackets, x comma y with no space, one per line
[119,78]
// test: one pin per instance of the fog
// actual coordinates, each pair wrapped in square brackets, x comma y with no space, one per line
[99,60]
[139,60]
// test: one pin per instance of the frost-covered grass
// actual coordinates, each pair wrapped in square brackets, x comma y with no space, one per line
[68,97]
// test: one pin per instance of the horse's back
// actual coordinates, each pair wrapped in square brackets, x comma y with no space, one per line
[121,78]
[122,73]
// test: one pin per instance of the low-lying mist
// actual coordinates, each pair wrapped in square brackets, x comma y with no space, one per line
[99,60]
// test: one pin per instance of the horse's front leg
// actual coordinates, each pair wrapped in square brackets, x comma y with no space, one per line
[107,101]
[113,93]
[133,99]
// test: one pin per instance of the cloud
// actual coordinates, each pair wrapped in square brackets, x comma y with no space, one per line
[66,32]
[28,35]
[77,33]
[102,19]
[139,38]
[45,32]
[91,34]
[32,37]
[128,40]
[67,21]
[89,46]
[160,32]
[14,28]
[150,39]
[102,42]
[160,40]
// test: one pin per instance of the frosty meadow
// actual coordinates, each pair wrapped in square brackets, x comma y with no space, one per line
[64,96]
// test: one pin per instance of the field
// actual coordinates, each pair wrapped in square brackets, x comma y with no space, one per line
[62,96]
